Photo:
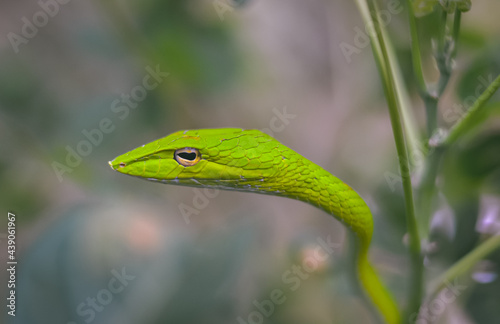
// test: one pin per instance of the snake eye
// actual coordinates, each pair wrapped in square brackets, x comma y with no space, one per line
[187,156]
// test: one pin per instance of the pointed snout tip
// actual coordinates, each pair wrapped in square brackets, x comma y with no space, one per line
[117,165]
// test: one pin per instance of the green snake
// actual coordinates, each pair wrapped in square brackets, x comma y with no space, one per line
[252,161]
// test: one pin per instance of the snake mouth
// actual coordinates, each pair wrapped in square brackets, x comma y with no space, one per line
[116,165]
[119,164]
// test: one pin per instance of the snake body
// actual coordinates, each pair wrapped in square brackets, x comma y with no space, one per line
[252,161]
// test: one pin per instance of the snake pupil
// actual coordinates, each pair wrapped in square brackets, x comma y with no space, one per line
[187,156]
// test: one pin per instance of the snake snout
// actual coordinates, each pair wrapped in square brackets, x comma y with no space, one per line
[115,165]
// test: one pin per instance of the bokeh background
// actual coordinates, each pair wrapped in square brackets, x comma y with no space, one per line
[95,246]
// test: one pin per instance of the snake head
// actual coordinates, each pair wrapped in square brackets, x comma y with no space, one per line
[223,158]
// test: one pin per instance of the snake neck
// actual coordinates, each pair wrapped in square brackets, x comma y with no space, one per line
[301,179]
[308,182]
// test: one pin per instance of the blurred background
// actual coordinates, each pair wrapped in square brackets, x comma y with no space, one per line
[82,82]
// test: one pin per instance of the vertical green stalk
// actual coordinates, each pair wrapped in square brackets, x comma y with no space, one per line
[390,90]
[430,100]
[426,197]
[408,118]
[415,51]
[444,55]
[431,108]
[456,32]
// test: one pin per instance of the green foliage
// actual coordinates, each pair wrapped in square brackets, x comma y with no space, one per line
[467,168]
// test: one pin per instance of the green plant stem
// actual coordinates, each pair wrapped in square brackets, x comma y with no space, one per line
[447,51]
[456,32]
[465,264]
[416,54]
[409,124]
[442,30]
[385,69]
[443,60]
[445,54]
[431,108]
[403,99]
[431,98]
[465,124]
[427,190]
